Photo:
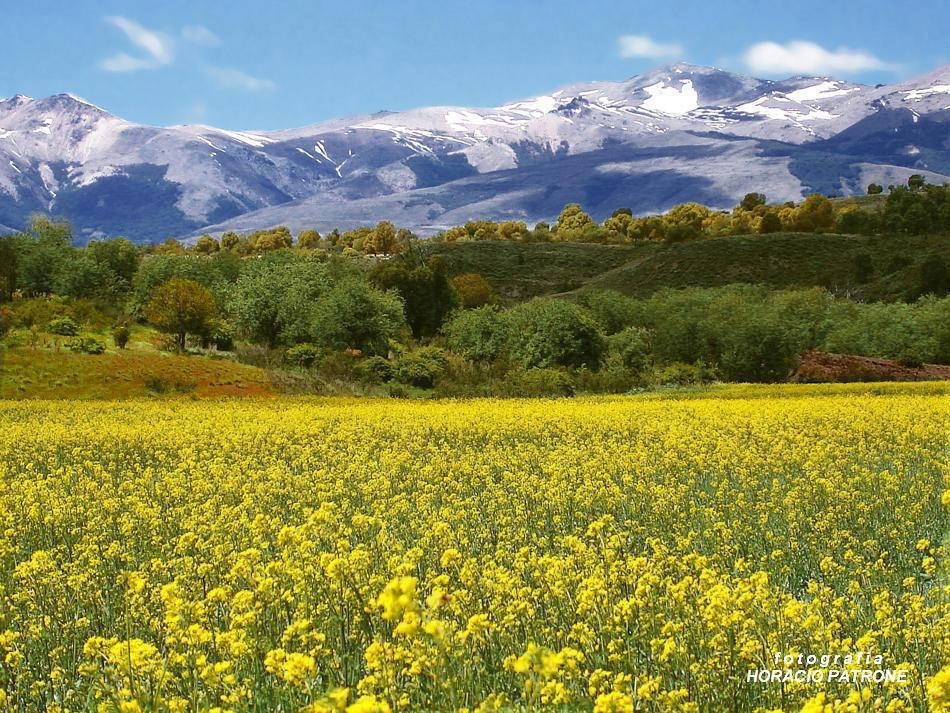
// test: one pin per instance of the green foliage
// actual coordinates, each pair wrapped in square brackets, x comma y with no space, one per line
[631,347]
[302,355]
[612,310]
[273,299]
[64,326]
[917,210]
[680,374]
[375,370]
[934,276]
[120,336]
[424,287]
[549,333]
[893,331]
[421,368]
[85,345]
[479,335]
[354,314]
[181,307]
[540,382]
[212,273]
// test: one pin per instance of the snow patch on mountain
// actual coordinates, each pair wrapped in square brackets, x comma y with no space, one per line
[668,99]
[918,94]
[825,90]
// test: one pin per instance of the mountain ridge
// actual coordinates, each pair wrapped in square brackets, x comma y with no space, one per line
[675,132]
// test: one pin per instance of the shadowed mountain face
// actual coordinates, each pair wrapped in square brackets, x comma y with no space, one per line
[676,134]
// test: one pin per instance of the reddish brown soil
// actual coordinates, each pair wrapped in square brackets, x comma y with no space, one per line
[818,367]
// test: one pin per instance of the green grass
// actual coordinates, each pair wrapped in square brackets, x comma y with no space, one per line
[524,270]
[50,373]
[783,260]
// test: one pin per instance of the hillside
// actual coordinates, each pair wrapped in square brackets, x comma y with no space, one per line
[836,262]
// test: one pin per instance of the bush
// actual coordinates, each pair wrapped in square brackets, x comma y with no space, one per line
[534,383]
[680,374]
[63,326]
[6,320]
[422,367]
[85,345]
[479,334]
[120,336]
[302,355]
[612,310]
[631,348]
[375,370]
[548,333]
[220,337]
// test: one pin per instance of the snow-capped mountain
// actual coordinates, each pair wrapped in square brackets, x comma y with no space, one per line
[675,134]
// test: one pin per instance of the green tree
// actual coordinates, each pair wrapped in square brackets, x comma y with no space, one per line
[473,290]
[43,252]
[480,334]
[548,333]
[206,245]
[308,239]
[875,189]
[355,315]
[424,287]
[816,214]
[273,299]
[573,223]
[181,307]
[751,200]
[120,256]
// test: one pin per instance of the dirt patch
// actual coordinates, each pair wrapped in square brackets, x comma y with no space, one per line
[825,367]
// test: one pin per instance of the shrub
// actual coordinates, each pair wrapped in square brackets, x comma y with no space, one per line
[479,334]
[548,333]
[680,374]
[63,326]
[375,370]
[85,345]
[120,336]
[302,355]
[6,320]
[220,336]
[422,367]
[631,348]
[533,383]
[473,289]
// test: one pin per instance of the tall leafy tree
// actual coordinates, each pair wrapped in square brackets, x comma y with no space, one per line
[181,307]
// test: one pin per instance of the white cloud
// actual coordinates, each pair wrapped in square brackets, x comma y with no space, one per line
[801,57]
[123,62]
[643,46]
[200,35]
[157,48]
[236,79]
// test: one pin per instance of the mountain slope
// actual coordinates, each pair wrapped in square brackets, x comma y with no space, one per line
[674,134]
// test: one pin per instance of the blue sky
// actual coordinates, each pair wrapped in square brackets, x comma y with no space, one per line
[247,64]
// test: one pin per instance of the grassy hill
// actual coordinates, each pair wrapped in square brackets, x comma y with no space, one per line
[523,270]
[862,267]
[49,372]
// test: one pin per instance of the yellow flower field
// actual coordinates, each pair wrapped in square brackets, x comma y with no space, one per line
[610,554]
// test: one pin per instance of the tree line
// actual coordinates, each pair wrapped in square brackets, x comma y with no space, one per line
[399,316]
